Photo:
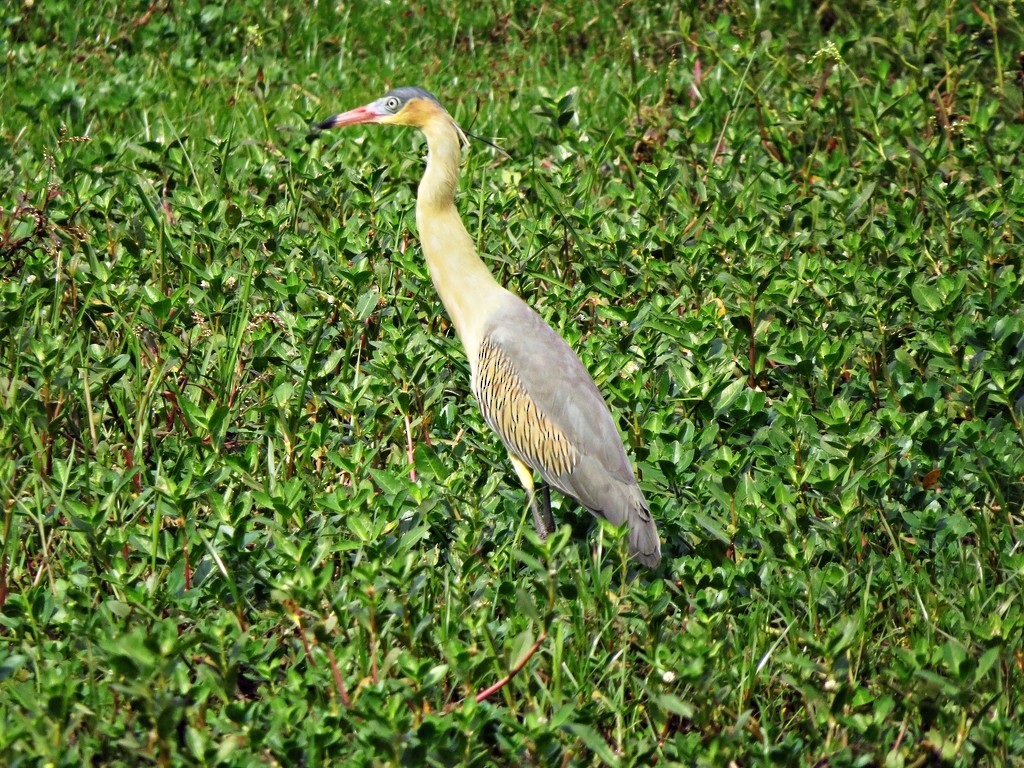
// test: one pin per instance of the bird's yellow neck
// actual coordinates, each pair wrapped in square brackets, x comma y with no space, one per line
[465,285]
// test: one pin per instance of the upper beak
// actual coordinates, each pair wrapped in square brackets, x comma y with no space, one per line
[367,114]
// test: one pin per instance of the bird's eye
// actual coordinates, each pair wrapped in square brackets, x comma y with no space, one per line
[391,104]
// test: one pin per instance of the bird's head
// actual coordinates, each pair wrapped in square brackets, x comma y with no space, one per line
[402,106]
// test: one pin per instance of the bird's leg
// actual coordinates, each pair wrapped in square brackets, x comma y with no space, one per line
[543,522]
[543,516]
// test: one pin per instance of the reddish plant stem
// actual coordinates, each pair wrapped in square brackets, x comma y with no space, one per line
[338,682]
[490,691]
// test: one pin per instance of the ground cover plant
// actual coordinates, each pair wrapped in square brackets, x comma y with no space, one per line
[251,515]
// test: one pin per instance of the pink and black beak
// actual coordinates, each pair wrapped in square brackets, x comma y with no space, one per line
[371,113]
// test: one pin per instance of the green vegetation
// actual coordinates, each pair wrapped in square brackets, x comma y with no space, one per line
[252,516]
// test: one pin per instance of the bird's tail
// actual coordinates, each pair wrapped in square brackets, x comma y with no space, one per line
[644,544]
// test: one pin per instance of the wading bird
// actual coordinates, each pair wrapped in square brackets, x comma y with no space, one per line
[532,388]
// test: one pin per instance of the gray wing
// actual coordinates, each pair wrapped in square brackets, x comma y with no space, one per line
[537,395]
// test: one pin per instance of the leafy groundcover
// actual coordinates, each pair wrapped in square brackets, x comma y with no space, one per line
[251,514]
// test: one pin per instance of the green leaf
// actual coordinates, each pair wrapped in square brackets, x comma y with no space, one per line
[676,706]
[232,215]
[729,395]
[593,741]
[927,297]
[986,662]
[367,304]
[521,648]
[283,393]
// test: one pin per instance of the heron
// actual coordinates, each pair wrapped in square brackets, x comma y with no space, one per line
[532,389]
